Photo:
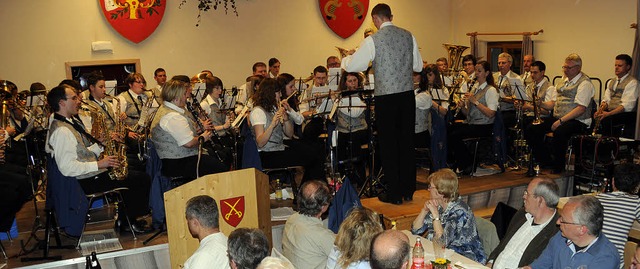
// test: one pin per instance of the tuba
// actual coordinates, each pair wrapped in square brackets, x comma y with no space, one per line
[5,95]
[455,58]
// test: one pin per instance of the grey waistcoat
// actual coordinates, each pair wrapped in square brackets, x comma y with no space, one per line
[166,146]
[393,62]
[344,121]
[565,101]
[276,141]
[84,154]
[476,117]
[616,94]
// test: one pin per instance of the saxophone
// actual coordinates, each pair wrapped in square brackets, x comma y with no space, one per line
[114,148]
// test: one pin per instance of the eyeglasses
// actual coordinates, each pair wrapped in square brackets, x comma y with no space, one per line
[141,82]
[565,67]
[74,98]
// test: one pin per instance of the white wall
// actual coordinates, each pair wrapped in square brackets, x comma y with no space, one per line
[38,37]
[596,30]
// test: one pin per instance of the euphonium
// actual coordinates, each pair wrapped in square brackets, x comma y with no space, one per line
[455,61]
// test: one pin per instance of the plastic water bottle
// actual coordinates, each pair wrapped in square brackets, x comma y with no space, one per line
[418,255]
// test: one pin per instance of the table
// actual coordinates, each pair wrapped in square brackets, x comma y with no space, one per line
[455,258]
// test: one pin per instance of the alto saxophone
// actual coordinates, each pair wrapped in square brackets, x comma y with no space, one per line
[114,148]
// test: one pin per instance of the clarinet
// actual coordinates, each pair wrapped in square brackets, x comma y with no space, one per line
[197,117]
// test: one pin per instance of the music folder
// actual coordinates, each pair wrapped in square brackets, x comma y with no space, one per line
[198,91]
[110,85]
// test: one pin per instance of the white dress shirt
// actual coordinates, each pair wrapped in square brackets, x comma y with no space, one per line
[212,253]
[629,95]
[513,251]
[585,93]
[176,124]
[63,145]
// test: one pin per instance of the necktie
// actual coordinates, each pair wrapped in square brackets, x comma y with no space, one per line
[140,99]
[617,84]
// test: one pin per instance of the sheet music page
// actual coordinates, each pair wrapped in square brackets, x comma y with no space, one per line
[240,117]
[334,76]
[518,88]
[198,91]
[35,100]
[110,86]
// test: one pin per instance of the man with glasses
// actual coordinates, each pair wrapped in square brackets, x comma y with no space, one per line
[580,244]
[530,228]
[571,112]
[75,153]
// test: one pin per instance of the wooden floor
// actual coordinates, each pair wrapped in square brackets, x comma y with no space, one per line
[25,220]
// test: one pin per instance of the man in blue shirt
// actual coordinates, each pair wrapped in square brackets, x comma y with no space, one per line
[580,243]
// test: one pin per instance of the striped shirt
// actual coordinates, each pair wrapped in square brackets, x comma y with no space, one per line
[620,210]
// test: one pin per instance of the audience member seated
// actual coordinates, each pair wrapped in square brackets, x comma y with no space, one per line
[446,214]
[635,261]
[530,228]
[203,223]
[390,250]
[247,248]
[622,206]
[305,240]
[580,244]
[353,243]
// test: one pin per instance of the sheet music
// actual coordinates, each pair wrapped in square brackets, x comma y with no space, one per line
[198,91]
[110,86]
[36,100]
[240,117]
[518,89]
[334,76]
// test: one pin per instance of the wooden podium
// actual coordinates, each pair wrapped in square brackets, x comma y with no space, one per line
[243,201]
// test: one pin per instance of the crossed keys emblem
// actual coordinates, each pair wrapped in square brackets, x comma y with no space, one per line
[232,210]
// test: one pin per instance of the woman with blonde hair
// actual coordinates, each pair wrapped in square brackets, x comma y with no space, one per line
[445,214]
[353,242]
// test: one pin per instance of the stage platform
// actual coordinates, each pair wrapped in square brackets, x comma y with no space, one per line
[482,194]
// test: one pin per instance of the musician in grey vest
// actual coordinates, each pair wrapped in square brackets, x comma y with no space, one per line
[269,124]
[351,124]
[505,79]
[618,118]
[97,103]
[479,105]
[175,137]
[544,93]
[527,60]
[395,56]
[75,153]
[571,114]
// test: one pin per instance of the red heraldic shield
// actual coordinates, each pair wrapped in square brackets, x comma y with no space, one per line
[232,210]
[344,17]
[134,19]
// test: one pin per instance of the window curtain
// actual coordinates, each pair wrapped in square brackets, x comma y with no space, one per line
[527,47]
[474,45]
[636,59]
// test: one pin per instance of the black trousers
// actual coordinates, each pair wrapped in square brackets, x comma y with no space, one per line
[297,154]
[461,156]
[351,154]
[395,120]
[15,190]
[612,125]
[136,199]
[535,138]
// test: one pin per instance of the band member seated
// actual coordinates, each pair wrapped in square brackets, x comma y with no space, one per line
[212,105]
[443,68]
[270,123]
[308,105]
[617,115]
[75,153]
[479,105]
[570,115]
[291,103]
[131,104]
[432,131]
[176,138]
[542,93]
[351,124]
[503,79]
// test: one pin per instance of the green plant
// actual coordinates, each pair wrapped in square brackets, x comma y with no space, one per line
[206,5]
